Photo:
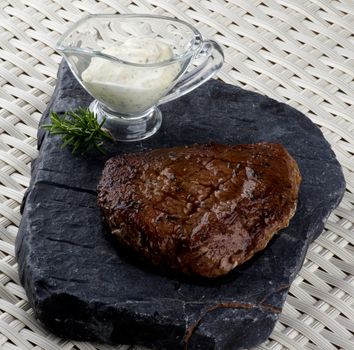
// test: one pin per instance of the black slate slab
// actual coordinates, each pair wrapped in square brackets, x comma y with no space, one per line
[83,287]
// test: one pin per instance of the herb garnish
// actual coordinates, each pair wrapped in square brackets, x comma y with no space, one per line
[80,129]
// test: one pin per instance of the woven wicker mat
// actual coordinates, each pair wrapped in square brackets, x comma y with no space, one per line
[298,52]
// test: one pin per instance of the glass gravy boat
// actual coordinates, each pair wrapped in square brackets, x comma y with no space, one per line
[131,64]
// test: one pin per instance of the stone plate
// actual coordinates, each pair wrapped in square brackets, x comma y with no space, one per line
[83,287]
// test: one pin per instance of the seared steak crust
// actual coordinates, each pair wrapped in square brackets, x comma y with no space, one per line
[201,209]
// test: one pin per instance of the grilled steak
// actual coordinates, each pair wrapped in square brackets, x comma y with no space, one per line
[201,209]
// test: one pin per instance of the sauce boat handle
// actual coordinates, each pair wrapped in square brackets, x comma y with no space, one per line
[212,59]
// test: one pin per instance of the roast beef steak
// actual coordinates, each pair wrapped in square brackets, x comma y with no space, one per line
[200,209]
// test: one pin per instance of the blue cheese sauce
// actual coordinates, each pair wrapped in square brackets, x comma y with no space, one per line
[126,88]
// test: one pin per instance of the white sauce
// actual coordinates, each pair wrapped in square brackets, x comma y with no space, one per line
[128,89]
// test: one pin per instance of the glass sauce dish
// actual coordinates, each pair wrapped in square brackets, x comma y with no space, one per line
[131,64]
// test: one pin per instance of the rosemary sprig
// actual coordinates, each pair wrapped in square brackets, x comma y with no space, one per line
[79,129]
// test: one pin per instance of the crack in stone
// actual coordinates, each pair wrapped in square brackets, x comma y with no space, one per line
[69,242]
[56,171]
[78,280]
[92,206]
[67,187]
[186,318]
[278,290]
[232,305]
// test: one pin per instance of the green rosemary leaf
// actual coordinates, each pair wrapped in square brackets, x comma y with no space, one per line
[80,129]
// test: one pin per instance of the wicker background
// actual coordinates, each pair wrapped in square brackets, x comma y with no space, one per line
[298,52]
